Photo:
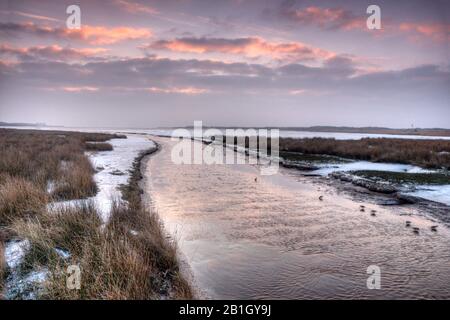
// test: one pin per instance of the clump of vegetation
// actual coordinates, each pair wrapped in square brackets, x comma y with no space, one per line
[404,177]
[30,161]
[99,146]
[44,157]
[311,158]
[129,257]
[424,153]
[75,180]
[19,198]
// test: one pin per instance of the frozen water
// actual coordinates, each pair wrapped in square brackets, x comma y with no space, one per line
[434,193]
[366,165]
[15,252]
[119,160]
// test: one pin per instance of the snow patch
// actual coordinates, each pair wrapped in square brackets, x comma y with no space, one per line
[366,165]
[15,252]
[434,193]
[120,159]
[115,168]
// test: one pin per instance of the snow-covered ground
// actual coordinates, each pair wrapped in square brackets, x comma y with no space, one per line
[434,193]
[15,252]
[366,165]
[17,284]
[437,193]
[113,169]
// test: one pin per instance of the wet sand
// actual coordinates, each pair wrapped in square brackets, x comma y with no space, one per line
[274,238]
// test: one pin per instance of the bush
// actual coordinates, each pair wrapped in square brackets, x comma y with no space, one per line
[20,198]
[99,146]
[424,153]
[75,180]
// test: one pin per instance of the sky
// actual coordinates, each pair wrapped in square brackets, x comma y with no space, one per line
[143,64]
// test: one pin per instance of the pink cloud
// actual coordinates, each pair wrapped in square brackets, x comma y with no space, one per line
[80,89]
[182,90]
[436,31]
[134,7]
[341,19]
[95,35]
[327,18]
[29,15]
[53,52]
[251,47]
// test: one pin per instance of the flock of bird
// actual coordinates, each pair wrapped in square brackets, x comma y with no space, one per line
[373,213]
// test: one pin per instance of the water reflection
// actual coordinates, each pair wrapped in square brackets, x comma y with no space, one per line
[274,238]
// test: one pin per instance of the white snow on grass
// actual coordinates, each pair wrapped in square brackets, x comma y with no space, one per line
[18,285]
[366,165]
[15,252]
[434,193]
[113,170]
[26,287]
[116,166]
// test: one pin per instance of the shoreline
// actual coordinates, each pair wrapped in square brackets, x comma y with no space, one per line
[185,267]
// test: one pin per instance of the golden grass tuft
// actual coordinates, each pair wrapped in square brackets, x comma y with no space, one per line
[129,258]
[20,198]
[424,153]
[75,180]
[99,146]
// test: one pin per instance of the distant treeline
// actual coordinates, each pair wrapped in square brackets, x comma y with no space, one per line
[21,124]
[376,130]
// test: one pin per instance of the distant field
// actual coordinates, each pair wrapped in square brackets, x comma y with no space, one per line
[425,153]
[440,132]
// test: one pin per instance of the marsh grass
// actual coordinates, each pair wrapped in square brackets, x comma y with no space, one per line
[404,177]
[20,198]
[115,262]
[424,153]
[129,257]
[45,156]
[75,180]
[29,161]
[99,146]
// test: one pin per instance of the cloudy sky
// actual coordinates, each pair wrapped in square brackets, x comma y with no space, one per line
[233,62]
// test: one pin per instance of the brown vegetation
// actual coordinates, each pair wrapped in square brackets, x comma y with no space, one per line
[129,257]
[439,132]
[424,153]
[29,161]
[43,156]
[99,146]
[19,198]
